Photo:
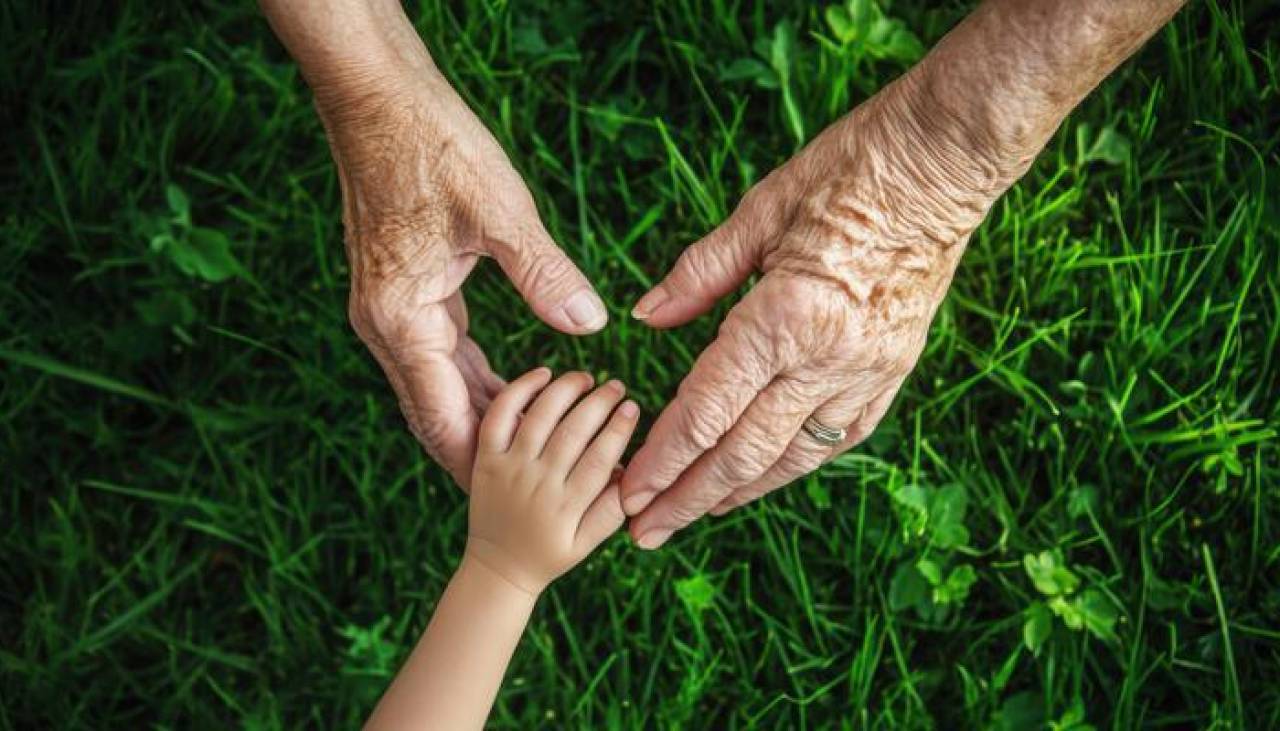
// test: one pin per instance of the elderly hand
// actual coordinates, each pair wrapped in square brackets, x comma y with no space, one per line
[857,238]
[426,192]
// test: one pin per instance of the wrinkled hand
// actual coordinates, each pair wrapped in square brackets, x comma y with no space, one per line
[541,495]
[426,191]
[857,238]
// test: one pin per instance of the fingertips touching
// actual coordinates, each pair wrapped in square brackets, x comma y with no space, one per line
[503,416]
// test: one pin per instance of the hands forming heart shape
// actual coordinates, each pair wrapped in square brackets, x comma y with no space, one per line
[856,237]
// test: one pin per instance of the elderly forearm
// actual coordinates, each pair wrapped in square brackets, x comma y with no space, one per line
[993,91]
[344,46]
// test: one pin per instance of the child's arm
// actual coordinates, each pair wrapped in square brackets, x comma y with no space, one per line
[452,676]
[539,505]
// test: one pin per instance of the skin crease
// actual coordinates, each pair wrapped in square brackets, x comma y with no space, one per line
[857,238]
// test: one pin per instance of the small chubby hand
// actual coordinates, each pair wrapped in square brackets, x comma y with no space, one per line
[542,496]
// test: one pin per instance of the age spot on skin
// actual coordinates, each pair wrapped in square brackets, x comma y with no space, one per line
[876,297]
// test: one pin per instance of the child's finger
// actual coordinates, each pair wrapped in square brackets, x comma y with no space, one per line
[503,416]
[596,464]
[601,520]
[546,412]
[572,435]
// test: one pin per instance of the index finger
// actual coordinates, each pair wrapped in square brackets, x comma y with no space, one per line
[724,380]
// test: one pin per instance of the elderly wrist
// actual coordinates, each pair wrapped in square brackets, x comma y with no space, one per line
[359,88]
[348,51]
[951,151]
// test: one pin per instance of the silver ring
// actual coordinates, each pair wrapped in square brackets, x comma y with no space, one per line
[827,436]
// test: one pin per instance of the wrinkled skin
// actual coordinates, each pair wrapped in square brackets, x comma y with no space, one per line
[856,250]
[426,192]
[857,238]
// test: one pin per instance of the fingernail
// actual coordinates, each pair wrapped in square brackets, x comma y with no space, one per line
[718,511]
[654,538]
[637,501]
[628,409]
[649,303]
[586,310]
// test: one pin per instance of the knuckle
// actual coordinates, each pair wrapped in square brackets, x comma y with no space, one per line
[899,364]
[543,265]
[567,509]
[524,449]
[700,263]
[755,198]
[795,390]
[747,495]
[799,460]
[491,437]
[741,465]
[754,434]
[685,513]
[376,313]
[858,434]
[763,208]
[751,334]
[701,427]
[863,427]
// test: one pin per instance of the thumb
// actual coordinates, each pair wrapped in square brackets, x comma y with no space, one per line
[705,272]
[551,283]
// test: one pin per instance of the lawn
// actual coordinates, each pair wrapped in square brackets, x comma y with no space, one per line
[214,517]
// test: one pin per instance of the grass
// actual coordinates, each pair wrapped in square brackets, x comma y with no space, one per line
[214,517]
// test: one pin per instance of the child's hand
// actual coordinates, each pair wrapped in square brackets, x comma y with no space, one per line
[540,493]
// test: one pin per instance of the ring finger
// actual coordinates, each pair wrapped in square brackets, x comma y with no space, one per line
[805,453]
[745,452]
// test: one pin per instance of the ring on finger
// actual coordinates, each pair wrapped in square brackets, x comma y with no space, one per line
[827,436]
